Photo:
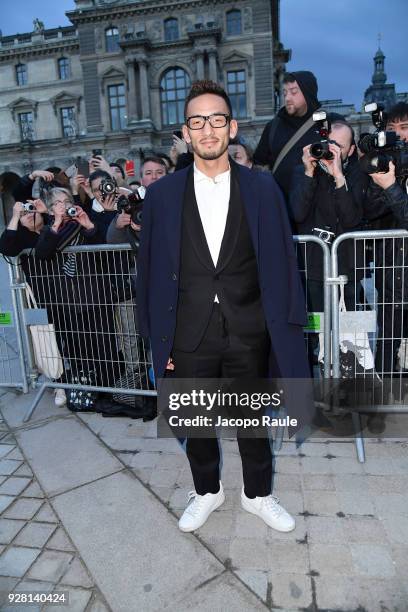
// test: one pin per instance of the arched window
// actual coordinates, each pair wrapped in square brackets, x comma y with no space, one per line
[21,74]
[174,88]
[63,68]
[112,39]
[234,24]
[171,29]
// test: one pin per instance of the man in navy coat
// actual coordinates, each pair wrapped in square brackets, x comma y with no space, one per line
[219,294]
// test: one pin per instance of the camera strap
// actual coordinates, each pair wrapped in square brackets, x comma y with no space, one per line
[292,141]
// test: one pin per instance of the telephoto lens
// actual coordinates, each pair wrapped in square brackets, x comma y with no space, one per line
[29,207]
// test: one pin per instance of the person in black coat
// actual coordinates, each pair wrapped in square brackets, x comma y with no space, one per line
[329,195]
[300,95]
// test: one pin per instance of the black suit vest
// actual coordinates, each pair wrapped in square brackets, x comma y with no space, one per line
[234,280]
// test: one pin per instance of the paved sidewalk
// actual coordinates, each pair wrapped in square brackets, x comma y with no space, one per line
[90,505]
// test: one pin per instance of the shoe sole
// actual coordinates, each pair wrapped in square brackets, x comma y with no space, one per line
[260,517]
[222,500]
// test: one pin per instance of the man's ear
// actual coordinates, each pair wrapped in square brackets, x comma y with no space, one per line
[186,135]
[233,128]
[352,149]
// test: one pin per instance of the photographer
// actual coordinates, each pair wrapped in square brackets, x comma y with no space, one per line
[387,208]
[105,191]
[326,199]
[24,227]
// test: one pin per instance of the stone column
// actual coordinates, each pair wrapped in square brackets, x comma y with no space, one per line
[131,97]
[213,73]
[199,59]
[144,89]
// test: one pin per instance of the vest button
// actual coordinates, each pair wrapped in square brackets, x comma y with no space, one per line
[170,309]
[174,276]
[164,339]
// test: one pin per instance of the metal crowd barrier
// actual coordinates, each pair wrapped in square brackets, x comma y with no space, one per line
[380,330]
[88,294]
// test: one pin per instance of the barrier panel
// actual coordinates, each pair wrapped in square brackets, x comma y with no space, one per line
[12,364]
[370,335]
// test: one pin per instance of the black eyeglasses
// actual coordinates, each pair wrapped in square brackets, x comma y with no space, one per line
[217,120]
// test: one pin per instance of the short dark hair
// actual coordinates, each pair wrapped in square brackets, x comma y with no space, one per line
[115,165]
[98,174]
[200,88]
[154,159]
[398,112]
[289,77]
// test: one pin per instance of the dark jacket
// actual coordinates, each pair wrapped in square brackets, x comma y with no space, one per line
[388,209]
[158,280]
[281,129]
[316,203]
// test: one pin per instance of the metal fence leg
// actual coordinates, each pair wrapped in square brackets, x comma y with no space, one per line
[36,401]
[359,440]
[277,443]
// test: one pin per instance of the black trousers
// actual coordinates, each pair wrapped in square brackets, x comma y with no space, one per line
[223,355]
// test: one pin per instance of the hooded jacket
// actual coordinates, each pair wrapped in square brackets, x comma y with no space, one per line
[281,129]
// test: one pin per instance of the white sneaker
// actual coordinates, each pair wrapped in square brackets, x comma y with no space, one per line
[198,511]
[269,510]
[60,397]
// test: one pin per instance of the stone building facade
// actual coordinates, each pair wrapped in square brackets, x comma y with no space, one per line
[117,78]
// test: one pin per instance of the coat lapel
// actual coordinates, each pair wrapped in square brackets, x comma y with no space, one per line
[173,210]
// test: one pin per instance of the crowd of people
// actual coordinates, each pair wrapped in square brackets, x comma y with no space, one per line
[56,208]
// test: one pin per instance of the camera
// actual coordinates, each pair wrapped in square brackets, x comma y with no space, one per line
[71,211]
[132,204]
[29,207]
[96,152]
[108,187]
[382,146]
[324,234]
[320,150]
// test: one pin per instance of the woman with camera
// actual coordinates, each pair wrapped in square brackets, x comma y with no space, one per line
[24,227]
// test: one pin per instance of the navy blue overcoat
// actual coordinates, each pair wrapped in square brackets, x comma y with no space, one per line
[282,293]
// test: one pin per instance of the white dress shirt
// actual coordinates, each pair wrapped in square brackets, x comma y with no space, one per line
[212,195]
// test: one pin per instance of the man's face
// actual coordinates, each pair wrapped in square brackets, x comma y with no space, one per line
[152,172]
[239,154]
[209,142]
[295,102]
[343,138]
[401,127]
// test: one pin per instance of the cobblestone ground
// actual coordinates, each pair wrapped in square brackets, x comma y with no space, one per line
[36,553]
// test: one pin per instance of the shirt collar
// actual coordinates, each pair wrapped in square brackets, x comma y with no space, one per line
[220,178]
